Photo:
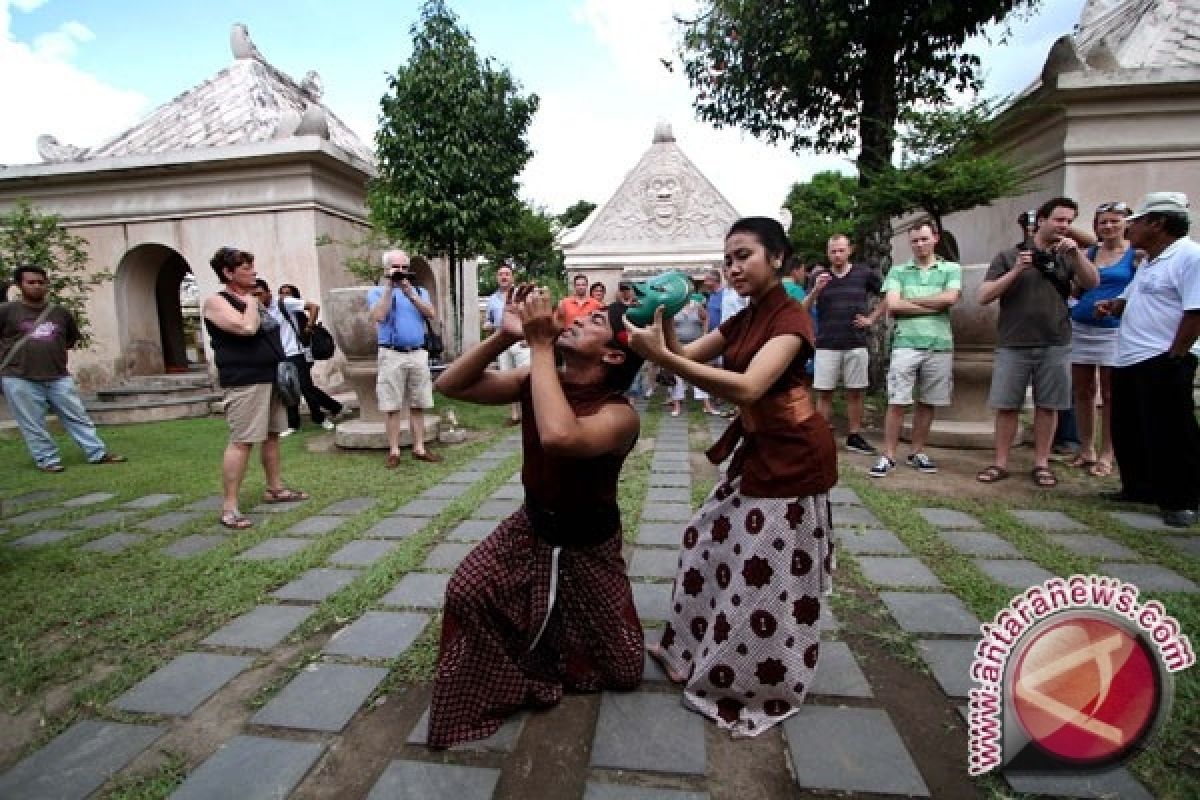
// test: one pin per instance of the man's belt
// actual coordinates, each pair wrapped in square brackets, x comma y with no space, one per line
[400,349]
[580,528]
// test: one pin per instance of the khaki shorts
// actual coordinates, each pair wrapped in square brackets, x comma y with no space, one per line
[848,365]
[254,411]
[932,372]
[1048,368]
[513,357]
[403,381]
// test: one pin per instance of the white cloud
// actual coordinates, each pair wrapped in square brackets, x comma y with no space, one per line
[52,95]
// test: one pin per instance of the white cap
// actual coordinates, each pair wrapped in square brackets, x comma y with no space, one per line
[1162,203]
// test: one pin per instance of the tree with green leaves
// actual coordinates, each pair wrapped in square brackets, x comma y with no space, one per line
[826,205]
[832,75]
[28,236]
[529,244]
[575,214]
[450,144]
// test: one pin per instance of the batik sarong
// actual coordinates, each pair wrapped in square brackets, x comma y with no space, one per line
[507,645]
[746,606]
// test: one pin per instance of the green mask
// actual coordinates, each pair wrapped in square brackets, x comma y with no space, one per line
[669,290]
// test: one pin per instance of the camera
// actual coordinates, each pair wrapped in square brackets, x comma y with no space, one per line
[398,275]
[1046,263]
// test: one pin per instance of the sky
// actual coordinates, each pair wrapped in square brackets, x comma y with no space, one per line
[86,70]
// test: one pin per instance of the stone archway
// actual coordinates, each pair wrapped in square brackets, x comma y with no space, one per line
[150,322]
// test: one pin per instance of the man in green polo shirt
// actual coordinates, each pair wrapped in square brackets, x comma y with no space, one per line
[919,294]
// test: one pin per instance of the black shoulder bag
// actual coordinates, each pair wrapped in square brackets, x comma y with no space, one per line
[287,375]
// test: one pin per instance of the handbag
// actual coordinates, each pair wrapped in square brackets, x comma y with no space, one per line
[433,341]
[287,383]
[321,343]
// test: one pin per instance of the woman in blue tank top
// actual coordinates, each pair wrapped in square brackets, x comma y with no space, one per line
[1094,339]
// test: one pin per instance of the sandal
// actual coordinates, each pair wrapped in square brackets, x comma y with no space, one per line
[1043,478]
[992,474]
[1079,462]
[1101,469]
[284,495]
[235,521]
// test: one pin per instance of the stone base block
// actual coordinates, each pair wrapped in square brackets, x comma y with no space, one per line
[359,435]
[963,435]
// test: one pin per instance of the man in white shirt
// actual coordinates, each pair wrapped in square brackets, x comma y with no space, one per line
[1155,434]
[518,354]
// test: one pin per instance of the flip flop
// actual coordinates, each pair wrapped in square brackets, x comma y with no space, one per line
[1043,478]
[235,521]
[284,495]
[1080,462]
[992,474]
[1101,469]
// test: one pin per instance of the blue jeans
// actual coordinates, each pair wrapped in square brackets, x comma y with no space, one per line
[28,401]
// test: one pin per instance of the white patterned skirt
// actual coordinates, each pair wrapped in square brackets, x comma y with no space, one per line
[746,606]
[1091,344]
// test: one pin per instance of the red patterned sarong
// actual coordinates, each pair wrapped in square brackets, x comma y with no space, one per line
[492,660]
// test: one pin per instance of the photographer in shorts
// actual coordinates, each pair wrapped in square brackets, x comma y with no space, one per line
[400,309]
[1032,281]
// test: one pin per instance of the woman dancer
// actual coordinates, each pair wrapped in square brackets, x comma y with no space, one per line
[1094,339]
[756,560]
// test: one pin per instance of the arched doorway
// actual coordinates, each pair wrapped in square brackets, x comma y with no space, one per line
[150,313]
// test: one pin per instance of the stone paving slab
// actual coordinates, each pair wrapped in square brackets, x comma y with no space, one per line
[378,634]
[1115,783]
[193,545]
[850,750]
[418,590]
[261,628]
[1016,574]
[838,673]
[652,600]
[1188,545]
[864,541]
[465,476]
[42,538]
[653,563]
[445,490]
[504,740]
[472,530]
[447,555]
[677,479]
[616,791]
[900,571]
[496,509]
[681,466]
[428,507]
[1048,520]
[508,491]
[78,761]
[29,498]
[350,506]
[182,685]
[848,515]
[149,501]
[668,534]
[840,495]
[981,543]
[1094,545]
[396,527]
[277,508]
[170,521]
[251,768]
[278,547]
[829,623]
[89,499]
[667,512]
[1141,520]
[950,663]
[323,697]
[362,553]
[668,494]
[1150,576]
[113,543]
[649,732]
[101,519]
[36,516]
[214,502]
[920,612]
[950,519]
[318,525]
[422,780]
[317,584]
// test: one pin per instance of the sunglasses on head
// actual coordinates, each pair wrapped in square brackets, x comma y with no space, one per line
[1118,207]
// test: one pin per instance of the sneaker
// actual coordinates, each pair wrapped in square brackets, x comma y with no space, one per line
[327,424]
[922,463]
[287,432]
[882,467]
[857,444]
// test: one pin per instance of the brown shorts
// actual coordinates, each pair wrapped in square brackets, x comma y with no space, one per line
[253,411]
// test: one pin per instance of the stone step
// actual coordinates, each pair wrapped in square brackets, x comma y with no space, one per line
[144,393]
[125,412]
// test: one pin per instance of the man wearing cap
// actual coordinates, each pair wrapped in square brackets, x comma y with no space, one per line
[400,311]
[518,354]
[1155,435]
[543,604]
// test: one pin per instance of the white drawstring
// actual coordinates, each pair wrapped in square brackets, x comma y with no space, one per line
[550,600]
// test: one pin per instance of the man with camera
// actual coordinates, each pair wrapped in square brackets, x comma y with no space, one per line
[1032,281]
[400,310]
[1154,429]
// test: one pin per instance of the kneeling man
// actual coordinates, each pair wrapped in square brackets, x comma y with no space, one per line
[543,605]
